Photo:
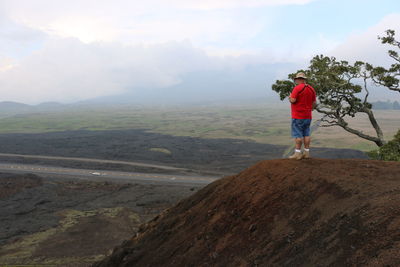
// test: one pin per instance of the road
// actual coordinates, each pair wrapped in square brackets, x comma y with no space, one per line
[102,175]
[139,164]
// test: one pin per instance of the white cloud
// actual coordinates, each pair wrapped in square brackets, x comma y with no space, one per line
[6,63]
[133,7]
[75,50]
[17,40]
[128,21]
[365,45]
[69,70]
[83,49]
[212,4]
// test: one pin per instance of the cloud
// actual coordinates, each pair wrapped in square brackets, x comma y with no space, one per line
[134,7]
[114,52]
[204,22]
[6,63]
[212,4]
[18,40]
[74,50]
[365,45]
[68,70]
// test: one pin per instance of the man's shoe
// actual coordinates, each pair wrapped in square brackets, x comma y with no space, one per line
[296,155]
[306,155]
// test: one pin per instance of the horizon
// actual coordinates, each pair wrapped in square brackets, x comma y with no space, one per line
[193,103]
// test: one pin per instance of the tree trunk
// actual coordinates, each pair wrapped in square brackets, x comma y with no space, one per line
[376,126]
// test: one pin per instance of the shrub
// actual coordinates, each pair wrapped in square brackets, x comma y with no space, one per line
[390,151]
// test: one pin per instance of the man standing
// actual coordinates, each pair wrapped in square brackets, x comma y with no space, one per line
[303,101]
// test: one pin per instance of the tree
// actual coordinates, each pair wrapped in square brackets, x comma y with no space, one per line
[342,88]
[340,96]
[389,151]
[389,77]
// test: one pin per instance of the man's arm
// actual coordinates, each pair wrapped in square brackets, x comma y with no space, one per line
[314,104]
[293,95]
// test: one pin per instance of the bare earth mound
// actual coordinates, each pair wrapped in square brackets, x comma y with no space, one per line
[279,213]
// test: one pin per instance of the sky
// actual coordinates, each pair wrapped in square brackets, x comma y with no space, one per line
[179,50]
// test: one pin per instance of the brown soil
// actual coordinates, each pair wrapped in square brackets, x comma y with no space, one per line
[279,213]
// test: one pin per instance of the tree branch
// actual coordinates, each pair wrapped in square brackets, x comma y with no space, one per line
[339,121]
[342,123]
[324,111]
[393,88]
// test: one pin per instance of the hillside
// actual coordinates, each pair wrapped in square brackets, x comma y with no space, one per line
[314,212]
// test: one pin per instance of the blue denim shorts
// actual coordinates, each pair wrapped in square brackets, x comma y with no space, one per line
[300,127]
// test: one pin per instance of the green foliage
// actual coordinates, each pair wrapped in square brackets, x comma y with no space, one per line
[339,93]
[389,77]
[333,81]
[342,88]
[283,87]
[389,151]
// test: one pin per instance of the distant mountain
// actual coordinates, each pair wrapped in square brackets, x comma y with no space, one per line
[385,105]
[49,105]
[9,108]
[12,105]
[204,87]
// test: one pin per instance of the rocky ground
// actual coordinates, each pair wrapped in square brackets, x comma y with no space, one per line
[72,222]
[210,156]
[312,212]
[59,221]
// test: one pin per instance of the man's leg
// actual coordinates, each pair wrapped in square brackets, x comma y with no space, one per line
[307,141]
[297,152]
[298,142]
[296,134]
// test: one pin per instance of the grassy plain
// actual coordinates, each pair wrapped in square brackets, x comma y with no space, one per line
[262,123]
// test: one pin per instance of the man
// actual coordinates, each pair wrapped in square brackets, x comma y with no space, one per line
[303,101]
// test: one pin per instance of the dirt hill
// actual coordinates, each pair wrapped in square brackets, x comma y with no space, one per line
[279,213]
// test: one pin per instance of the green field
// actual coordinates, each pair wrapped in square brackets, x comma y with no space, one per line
[261,123]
